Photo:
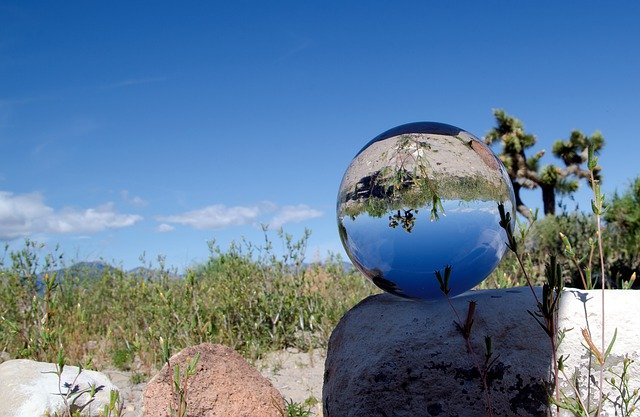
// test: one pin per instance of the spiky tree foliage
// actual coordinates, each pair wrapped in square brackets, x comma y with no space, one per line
[623,218]
[525,170]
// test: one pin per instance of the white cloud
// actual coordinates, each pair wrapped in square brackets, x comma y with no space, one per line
[268,207]
[90,220]
[219,216]
[138,201]
[293,214]
[134,200]
[26,214]
[163,228]
[216,216]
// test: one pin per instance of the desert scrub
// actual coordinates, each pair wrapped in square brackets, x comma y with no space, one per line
[245,297]
[576,249]
[29,303]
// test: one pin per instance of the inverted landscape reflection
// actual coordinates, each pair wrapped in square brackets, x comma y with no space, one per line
[468,239]
[422,199]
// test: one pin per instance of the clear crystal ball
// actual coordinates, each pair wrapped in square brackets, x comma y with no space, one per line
[419,205]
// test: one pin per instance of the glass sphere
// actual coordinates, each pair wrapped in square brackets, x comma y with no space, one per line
[418,210]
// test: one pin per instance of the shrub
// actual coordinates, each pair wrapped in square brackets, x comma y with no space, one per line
[246,297]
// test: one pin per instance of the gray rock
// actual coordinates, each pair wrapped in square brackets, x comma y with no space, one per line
[394,357]
[30,390]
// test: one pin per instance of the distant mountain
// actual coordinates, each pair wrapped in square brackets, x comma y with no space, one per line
[82,270]
[93,270]
[86,270]
[144,272]
[150,274]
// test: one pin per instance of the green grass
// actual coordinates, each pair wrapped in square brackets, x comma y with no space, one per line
[295,409]
[244,297]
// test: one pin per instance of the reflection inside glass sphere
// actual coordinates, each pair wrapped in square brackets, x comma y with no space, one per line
[420,202]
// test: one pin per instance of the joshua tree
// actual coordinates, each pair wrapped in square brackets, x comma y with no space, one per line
[525,171]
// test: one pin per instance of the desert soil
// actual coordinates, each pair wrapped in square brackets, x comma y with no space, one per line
[297,375]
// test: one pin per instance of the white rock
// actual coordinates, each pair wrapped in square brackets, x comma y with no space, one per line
[29,390]
[581,309]
[396,357]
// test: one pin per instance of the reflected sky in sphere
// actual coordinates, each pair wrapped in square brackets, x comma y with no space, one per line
[423,198]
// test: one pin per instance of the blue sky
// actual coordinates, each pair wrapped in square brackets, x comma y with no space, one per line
[154,127]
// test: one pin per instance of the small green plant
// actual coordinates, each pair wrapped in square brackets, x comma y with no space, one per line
[181,386]
[585,276]
[138,378]
[311,401]
[465,330]
[547,308]
[297,410]
[180,380]
[71,392]
[626,402]
[629,284]
[597,206]
[572,403]
[121,358]
[293,409]
[115,407]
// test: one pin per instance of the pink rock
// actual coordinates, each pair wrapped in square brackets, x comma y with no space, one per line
[224,385]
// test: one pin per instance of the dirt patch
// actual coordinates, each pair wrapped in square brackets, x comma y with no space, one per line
[297,375]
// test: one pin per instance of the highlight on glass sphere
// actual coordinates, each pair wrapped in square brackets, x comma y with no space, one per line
[419,205]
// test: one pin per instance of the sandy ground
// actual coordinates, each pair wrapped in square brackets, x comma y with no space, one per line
[297,375]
